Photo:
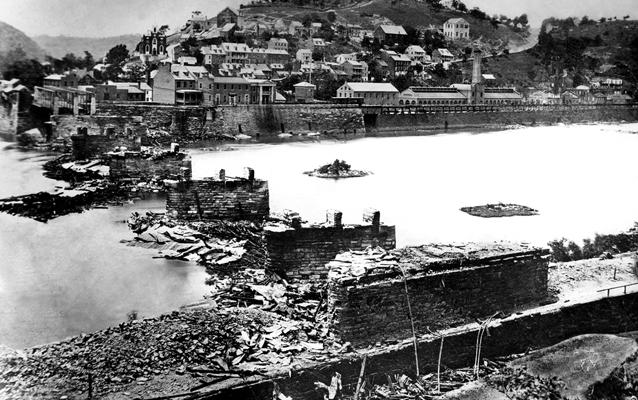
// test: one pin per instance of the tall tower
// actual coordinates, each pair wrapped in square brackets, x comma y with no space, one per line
[477,79]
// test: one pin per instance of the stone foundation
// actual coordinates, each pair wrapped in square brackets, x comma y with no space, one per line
[300,252]
[446,285]
[218,198]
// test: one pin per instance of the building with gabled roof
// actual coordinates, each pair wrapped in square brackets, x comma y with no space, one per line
[456,28]
[390,33]
[370,93]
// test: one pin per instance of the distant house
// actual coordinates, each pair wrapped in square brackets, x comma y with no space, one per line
[296,28]
[230,16]
[417,54]
[355,70]
[442,55]
[456,28]
[390,33]
[305,92]
[370,93]
[304,55]
[278,44]
[187,60]
[398,64]
[354,31]
[122,91]
[67,80]
[315,27]
[318,43]
[341,58]
[543,98]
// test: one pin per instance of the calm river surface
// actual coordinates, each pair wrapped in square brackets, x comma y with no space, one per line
[73,275]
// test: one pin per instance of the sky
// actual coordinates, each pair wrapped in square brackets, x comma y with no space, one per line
[100,18]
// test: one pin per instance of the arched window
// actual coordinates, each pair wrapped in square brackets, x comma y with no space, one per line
[147,49]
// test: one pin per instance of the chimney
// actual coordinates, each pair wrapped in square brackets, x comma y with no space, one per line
[333,218]
[476,70]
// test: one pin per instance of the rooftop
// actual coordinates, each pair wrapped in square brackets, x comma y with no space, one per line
[393,29]
[372,87]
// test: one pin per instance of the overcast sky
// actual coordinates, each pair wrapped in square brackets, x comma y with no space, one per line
[99,18]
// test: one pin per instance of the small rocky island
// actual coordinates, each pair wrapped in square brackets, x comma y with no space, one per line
[499,210]
[335,170]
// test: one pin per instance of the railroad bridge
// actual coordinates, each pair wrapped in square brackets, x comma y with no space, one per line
[64,100]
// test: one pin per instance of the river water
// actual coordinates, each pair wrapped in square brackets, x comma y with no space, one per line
[72,274]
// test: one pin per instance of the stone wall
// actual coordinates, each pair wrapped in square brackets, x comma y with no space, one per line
[136,165]
[223,198]
[373,307]
[301,252]
[15,117]
[171,122]
[516,334]
[272,119]
[506,116]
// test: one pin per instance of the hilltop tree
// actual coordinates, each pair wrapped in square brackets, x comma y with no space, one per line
[117,55]
[523,20]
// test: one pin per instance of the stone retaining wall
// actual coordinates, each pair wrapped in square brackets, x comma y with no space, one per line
[301,252]
[223,198]
[371,308]
[402,124]
[272,119]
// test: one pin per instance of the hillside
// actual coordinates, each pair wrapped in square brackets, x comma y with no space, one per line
[418,14]
[569,54]
[12,38]
[58,46]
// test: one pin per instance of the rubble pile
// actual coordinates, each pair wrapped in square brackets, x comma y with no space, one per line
[231,245]
[226,341]
[66,168]
[44,206]
[514,383]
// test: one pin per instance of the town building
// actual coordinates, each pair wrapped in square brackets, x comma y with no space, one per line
[442,56]
[278,44]
[341,58]
[318,43]
[456,28]
[296,28]
[304,55]
[305,92]
[213,55]
[354,31]
[175,87]
[355,70]
[230,16]
[398,64]
[315,27]
[390,33]
[543,97]
[432,96]
[370,93]
[417,54]
[122,91]
[68,79]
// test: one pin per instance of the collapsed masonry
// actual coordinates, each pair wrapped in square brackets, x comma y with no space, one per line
[87,146]
[300,251]
[231,198]
[144,165]
[447,285]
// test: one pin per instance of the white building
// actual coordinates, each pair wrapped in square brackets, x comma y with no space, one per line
[456,28]
[416,53]
[371,93]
